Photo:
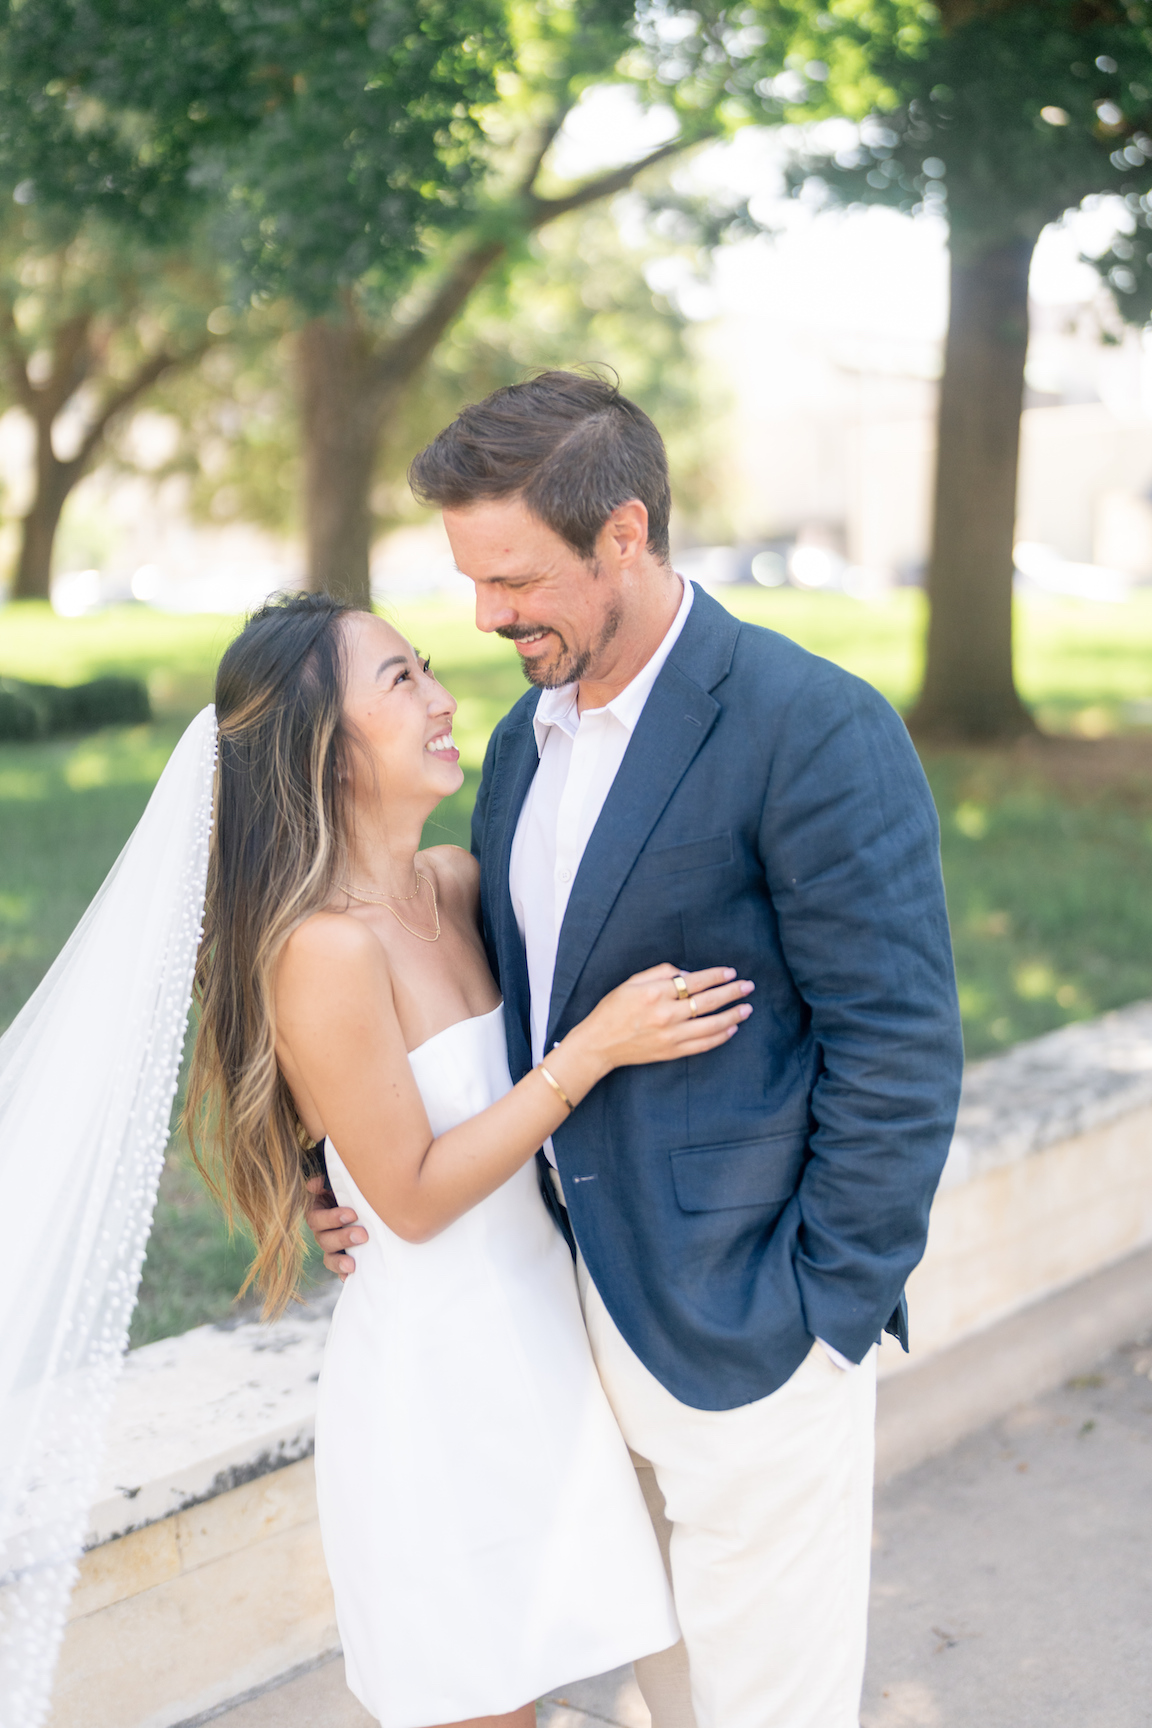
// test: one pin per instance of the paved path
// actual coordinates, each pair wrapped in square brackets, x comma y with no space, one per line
[1012,1583]
[1013,1576]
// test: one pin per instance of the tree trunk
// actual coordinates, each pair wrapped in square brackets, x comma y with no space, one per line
[968,694]
[341,413]
[54,481]
[347,386]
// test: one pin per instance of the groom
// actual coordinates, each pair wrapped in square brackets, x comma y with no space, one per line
[680,786]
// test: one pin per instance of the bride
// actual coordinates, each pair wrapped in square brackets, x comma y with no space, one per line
[482,1525]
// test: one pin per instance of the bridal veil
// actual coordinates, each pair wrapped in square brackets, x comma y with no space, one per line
[88,1073]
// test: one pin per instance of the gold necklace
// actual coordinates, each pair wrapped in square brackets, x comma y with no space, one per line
[375,900]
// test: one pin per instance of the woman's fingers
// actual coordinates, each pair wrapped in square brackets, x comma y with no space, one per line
[698,1045]
[706,980]
[713,1028]
[708,1001]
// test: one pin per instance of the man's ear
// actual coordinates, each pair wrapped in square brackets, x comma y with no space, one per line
[626,531]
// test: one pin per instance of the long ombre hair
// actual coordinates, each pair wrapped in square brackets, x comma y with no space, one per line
[279,847]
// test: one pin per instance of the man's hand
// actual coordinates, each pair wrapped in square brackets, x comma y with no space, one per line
[334,1227]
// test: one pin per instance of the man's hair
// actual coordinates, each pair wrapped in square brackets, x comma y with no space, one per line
[572,447]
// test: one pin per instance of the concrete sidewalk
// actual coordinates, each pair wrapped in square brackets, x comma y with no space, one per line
[1012,1583]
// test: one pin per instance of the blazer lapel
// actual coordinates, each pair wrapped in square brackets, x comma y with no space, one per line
[677,718]
[513,773]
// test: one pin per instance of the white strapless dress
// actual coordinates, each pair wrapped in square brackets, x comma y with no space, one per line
[484,1531]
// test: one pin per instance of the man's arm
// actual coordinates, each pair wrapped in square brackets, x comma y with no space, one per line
[850,844]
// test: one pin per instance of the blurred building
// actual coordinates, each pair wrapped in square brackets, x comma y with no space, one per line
[833,441]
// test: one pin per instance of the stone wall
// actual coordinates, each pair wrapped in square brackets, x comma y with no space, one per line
[204,1577]
[1049,1179]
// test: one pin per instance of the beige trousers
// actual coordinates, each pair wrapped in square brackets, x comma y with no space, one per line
[764,1516]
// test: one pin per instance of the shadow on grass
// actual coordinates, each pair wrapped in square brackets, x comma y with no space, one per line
[1047,852]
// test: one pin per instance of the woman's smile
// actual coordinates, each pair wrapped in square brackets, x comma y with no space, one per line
[443,747]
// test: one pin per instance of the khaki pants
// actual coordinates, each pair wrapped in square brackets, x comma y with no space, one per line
[764,1516]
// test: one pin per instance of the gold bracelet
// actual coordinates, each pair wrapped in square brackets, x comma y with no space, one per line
[556,1087]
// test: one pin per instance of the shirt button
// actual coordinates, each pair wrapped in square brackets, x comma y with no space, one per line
[564,875]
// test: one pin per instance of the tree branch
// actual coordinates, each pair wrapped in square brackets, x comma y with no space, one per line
[400,358]
[406,352]
[545,142]
[142,379]
[71,359]
[544,210]
[15,360]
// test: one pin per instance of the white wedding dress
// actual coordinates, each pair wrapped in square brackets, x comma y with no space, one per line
[484,1531]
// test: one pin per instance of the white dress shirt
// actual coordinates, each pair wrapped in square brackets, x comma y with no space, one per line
[580,756]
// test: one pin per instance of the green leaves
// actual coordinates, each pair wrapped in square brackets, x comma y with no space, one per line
[1001,116]
[320,138]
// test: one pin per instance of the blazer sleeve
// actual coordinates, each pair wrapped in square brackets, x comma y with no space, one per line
[850,844]
[480,808]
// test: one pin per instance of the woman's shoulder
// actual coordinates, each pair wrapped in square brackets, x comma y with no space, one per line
[453,868]
[325,940]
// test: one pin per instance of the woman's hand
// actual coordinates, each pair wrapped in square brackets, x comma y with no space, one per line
[656,1016]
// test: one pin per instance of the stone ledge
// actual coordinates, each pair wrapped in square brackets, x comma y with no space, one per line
[925,1411]
[174,1620]
[204,1578]
[1052,1088]
[199,1415]
[1048,1181]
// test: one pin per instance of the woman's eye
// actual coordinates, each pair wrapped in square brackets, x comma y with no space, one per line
[425,665]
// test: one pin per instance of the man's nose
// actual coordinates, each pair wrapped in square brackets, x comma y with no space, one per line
[493,612]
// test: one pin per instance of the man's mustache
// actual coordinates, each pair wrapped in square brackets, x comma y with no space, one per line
[521,632]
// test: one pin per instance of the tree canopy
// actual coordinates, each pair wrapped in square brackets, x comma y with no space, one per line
[1001,116]
[320,139]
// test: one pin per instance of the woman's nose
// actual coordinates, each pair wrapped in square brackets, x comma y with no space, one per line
[442,701]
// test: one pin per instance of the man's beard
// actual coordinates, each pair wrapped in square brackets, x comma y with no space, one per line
[567,665]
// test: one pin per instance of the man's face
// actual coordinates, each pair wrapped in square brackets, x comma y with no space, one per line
[561,611]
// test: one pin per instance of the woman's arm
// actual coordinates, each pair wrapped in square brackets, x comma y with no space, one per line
[337,1023]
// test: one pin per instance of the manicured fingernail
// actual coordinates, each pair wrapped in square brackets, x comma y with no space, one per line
[729,971]
[359,1236]
[732,1031]
[747,986]
[744,1010]
[345,1217]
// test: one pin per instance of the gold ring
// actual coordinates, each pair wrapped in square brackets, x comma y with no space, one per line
[680,986]
[692,1007]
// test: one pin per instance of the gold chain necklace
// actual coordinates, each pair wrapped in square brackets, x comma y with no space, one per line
[375,900]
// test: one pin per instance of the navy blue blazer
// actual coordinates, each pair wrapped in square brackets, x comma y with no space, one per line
[770,814]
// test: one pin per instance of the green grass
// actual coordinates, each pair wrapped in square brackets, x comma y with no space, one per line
[1048,891]
[1047,855]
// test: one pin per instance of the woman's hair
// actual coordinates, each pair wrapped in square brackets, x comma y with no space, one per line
[279,845]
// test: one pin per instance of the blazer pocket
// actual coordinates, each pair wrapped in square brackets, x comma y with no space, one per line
[692,855]
[750,1173]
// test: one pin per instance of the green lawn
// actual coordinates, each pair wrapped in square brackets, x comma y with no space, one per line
[1047,853]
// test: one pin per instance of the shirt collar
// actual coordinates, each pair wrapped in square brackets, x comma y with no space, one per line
[558,707]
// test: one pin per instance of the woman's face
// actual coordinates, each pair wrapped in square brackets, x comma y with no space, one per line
[399,713]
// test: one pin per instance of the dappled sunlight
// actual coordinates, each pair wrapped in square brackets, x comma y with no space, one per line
[1047,893]
[1046,868]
